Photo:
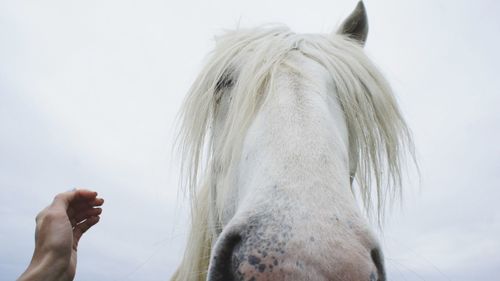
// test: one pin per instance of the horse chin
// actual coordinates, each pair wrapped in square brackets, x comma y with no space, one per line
[298,270]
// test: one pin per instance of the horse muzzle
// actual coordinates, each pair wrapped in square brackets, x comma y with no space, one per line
[258,253]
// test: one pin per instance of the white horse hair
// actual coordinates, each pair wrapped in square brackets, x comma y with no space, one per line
[248,61]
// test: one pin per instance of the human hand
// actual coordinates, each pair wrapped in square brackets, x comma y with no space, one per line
[59,228]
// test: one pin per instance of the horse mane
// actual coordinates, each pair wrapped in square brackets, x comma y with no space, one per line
[378,135]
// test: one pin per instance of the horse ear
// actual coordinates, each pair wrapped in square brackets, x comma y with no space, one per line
[356,25]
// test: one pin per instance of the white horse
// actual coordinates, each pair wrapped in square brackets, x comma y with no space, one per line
[275,130]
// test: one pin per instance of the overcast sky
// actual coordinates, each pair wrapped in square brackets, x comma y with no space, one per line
[89,91]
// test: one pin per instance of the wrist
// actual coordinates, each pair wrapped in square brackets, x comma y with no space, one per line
[47,268]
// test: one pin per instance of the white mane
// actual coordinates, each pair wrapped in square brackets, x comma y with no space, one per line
[378,136]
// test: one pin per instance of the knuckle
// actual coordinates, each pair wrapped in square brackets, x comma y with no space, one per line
[40,215]
[49,215]
[58,197]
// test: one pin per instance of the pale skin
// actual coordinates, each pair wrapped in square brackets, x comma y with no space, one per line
[59,228]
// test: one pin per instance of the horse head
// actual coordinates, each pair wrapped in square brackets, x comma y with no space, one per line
[278,130]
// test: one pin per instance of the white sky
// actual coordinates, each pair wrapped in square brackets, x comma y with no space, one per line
[89,91]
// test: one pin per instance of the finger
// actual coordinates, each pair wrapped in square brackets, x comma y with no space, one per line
[85,214]
[96,202]
[66,198]
[81,228]
[83,202]
[85,193]
[78,207]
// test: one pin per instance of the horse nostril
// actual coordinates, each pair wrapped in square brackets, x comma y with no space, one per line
[378,260]
[222,268]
